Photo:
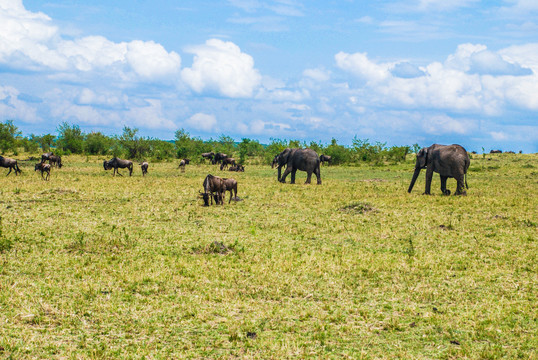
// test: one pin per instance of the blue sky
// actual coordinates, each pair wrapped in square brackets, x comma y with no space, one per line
[401,72]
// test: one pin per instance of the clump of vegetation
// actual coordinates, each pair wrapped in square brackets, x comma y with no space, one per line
[358,208]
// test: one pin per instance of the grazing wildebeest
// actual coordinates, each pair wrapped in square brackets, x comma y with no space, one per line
[116,163]
[182,164]
[214,187]
[325,158]
[55,160]
[231,185]
[44,168]
[11,164]
[238,168]
[218,158]
[46,156]
[144,166]
[227,161]
[496,152]
[208,156]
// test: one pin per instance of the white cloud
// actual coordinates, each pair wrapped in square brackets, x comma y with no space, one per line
[359,65]
[319,75]
[444,5]
[12,107]
[204,122]
[30,41]
[222,67]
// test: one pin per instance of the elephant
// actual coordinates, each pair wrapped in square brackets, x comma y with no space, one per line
[449,161]
[298,159]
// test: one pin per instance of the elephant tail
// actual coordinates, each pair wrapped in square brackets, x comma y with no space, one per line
[467,186]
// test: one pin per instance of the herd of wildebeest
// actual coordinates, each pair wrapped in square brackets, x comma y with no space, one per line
[449,161]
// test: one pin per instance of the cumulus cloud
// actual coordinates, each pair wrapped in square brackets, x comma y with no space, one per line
[472,79]
[359,65]
[13,107]
[221,67]
[203,122]
[30,41]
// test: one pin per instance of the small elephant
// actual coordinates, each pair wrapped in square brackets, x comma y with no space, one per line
[298,159]
[449,161]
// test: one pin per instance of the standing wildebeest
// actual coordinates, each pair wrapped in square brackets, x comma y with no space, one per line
[208,156]
[182,164]
[144,166]
[298,159]
[46,156]
[231,185]
[116,163]
[11,164]
[227,161]
[214,187]
[449,161]
[44,168]
[55,160]
[325,158]
[218,158]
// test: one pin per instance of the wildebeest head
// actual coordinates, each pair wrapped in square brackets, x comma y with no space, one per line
[106,165]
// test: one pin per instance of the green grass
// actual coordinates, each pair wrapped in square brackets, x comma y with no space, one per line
[93,266]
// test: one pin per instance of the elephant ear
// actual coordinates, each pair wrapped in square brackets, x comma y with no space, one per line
[422,157]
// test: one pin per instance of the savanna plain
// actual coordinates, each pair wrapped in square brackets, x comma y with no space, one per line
[95,266]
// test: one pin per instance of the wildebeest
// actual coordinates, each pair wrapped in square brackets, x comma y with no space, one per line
[46,156]
[325,158]
[227,161]
[144,166]
[55,160]
[182,164]
[11,164]
[44,168]
[116,163]
[214,187]
[496,152]
[231,185]
[218,158]
[208,156]
[238,168]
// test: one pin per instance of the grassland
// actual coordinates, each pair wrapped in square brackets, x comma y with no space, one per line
[95,266]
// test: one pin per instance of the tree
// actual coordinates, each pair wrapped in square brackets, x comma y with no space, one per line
[9,135]
[98,144]
[225,145]
[70,139]
[134,146]
[45,141]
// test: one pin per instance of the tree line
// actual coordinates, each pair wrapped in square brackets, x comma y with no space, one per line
[70,139]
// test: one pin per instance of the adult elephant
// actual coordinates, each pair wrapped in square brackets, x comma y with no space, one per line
[449,161]
[298,159]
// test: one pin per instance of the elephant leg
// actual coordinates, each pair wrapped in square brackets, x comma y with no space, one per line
[443,185]
[308,177]
[429,177]
[286,172]
[318,175]
[460,190]
[293,176]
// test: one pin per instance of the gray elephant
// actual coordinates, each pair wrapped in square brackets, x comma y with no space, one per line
[449,161]
[298,159]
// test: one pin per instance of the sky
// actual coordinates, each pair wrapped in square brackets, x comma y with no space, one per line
[399,72]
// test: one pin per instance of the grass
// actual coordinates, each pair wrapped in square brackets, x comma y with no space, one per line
[93,266]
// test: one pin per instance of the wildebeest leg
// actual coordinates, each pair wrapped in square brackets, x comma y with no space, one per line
[443,185]
[9,171]
[286,172]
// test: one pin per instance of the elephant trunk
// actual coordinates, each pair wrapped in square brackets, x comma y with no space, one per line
[414,179]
